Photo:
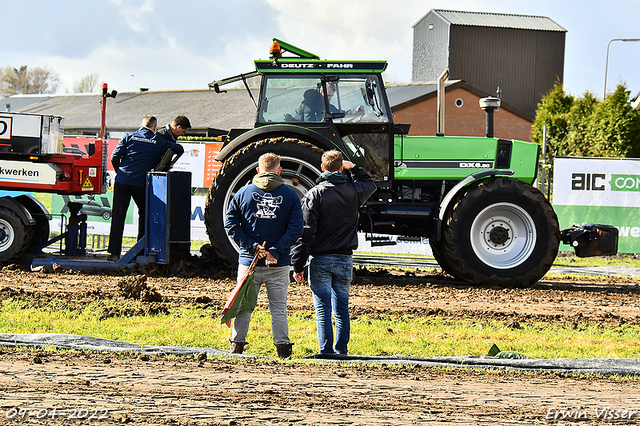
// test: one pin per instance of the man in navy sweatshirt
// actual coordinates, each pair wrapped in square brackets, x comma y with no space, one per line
[265,210]
[135,155]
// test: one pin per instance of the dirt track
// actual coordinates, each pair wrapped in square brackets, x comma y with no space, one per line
[188,391]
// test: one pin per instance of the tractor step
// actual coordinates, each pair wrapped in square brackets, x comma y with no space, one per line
[380,240]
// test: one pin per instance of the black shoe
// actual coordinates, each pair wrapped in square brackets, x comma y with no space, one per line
[113,258]
[284,350]
[236,347]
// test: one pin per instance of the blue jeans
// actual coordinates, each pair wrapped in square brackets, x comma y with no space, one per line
[330,279]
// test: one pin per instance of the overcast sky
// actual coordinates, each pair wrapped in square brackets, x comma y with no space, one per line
[174,45]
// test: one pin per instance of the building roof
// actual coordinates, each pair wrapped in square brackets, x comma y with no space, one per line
[19,102]
[205,109]
[403,93]
[407,92]
[498,20]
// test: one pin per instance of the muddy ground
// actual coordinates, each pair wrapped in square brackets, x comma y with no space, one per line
[128,389]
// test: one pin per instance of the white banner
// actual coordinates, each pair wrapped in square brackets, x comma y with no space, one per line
[596,182]
[27,172]
[192,161]
[99,223]
[600,191]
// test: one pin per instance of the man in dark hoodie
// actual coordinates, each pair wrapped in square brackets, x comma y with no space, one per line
[265,210]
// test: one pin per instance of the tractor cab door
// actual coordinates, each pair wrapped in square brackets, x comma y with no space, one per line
[362,117]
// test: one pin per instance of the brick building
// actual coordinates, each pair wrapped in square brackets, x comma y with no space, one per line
[416,104]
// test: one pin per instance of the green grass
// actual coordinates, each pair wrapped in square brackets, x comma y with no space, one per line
[401,336]
[570,259]
[563,259]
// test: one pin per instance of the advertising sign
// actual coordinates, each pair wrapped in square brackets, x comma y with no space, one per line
[600,191]
[198,158]
[98,211]
[27,172]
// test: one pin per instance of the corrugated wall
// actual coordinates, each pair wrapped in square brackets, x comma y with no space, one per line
[525,64]
[430,49]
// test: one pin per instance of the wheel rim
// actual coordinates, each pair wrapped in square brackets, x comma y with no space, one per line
[503,235]
[297,174]
[6,235]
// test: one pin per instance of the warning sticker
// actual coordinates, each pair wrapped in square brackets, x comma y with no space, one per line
[87,185]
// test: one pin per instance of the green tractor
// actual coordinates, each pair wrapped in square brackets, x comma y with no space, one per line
[472,197]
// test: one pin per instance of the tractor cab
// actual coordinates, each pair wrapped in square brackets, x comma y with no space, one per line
[339,104]
[351,107]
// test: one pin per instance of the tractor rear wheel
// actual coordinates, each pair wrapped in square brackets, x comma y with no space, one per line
[300,162]
[500,231]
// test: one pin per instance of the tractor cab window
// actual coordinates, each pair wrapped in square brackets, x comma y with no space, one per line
[351,99]
[291,99]
[359,99]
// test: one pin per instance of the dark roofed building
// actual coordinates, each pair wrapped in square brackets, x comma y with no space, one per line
[19,102]
[210,113]
[523,55]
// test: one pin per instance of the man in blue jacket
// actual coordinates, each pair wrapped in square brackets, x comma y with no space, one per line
[265,210]
[135,155]
[330,211]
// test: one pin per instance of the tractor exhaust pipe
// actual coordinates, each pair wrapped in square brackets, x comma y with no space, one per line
[440,120]
[489,105]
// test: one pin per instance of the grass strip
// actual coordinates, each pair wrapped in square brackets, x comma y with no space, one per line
[393,336]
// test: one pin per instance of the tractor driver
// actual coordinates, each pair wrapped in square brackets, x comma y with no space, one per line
[312,106]
[331,90]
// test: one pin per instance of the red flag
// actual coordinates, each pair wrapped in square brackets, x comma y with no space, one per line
[243,297]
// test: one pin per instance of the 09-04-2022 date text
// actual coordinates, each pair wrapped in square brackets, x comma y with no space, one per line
[57,413]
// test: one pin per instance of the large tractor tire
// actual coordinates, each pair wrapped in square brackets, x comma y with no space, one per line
[300,162]
[436,250]
[15,237]
[500,231]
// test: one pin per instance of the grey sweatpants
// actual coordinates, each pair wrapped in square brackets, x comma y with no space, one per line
[276,279]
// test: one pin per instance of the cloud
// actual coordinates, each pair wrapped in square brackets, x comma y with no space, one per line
[137,16]
[164,45]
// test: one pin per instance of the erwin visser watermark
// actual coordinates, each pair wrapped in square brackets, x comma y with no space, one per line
[606,413]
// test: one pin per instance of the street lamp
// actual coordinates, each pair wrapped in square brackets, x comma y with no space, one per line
[604,93]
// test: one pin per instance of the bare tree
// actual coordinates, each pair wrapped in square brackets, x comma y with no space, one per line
[22,80]
[87,84]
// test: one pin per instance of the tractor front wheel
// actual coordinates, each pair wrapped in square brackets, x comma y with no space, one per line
[500,231]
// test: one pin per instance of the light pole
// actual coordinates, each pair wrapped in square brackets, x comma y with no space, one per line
[606,67]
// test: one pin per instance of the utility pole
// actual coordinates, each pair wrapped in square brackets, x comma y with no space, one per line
[604,93]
